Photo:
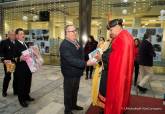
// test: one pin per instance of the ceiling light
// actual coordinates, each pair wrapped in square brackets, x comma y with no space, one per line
[35,17]
[125,0]
[162,12]
[124,11]
[25,18]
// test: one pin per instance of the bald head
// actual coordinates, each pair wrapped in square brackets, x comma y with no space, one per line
[11,35]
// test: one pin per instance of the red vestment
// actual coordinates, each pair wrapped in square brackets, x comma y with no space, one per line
[120,70]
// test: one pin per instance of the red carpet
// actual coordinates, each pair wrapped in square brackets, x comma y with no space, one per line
[139,105]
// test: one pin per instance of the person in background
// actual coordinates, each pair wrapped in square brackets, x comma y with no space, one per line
[22,70]
[99,72]
[146,54]
[101,42]
[90,46]
[96,75]
[136,63]
[8,53]
[72,67]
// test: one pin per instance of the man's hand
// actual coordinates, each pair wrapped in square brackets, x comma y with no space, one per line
[91,62]
[7,61]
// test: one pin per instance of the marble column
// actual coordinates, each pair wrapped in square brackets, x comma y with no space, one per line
[85,9]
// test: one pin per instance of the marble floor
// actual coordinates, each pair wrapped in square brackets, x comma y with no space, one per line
[47,89]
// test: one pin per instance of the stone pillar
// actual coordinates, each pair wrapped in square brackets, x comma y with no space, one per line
[136,22]
[85,9]
[1,23]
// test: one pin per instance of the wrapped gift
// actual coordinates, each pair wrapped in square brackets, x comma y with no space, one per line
[99,51]
[33,58]
[94,53]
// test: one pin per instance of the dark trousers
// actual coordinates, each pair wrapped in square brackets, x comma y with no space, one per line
[71,87]
[89,69]
[24,86]
[136,65]
[7,79]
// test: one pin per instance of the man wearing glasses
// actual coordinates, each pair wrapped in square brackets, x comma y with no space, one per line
[72,67]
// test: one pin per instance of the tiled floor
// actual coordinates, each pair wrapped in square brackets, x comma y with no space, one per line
[47,89]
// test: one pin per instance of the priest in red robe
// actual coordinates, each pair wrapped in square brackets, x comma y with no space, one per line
[120,69]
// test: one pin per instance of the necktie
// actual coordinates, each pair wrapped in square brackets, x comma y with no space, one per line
[25,45]
[77,44]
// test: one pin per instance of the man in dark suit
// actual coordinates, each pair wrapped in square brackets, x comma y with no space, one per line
[146,54]
[22,71]
[72,67]
[7,50]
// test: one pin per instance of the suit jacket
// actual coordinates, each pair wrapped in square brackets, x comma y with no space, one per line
[72,60]
[21,66]
[7,50]
[146,53]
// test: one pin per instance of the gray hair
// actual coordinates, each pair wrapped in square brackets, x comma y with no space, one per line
[10,31]
[66,28]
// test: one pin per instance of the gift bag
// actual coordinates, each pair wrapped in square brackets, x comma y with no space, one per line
[10,67]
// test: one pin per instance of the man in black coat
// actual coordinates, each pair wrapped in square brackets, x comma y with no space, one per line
[146,54]
[22,71]
[7,50]
[72,67]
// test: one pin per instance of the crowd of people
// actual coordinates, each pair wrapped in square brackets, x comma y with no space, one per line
[111,70]
[120,55]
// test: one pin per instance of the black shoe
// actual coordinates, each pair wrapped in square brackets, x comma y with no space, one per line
[101,111]
[142,89]
[30,99]
[4,94]
[77,108]
[15,94]
[70,112]
[23,104]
